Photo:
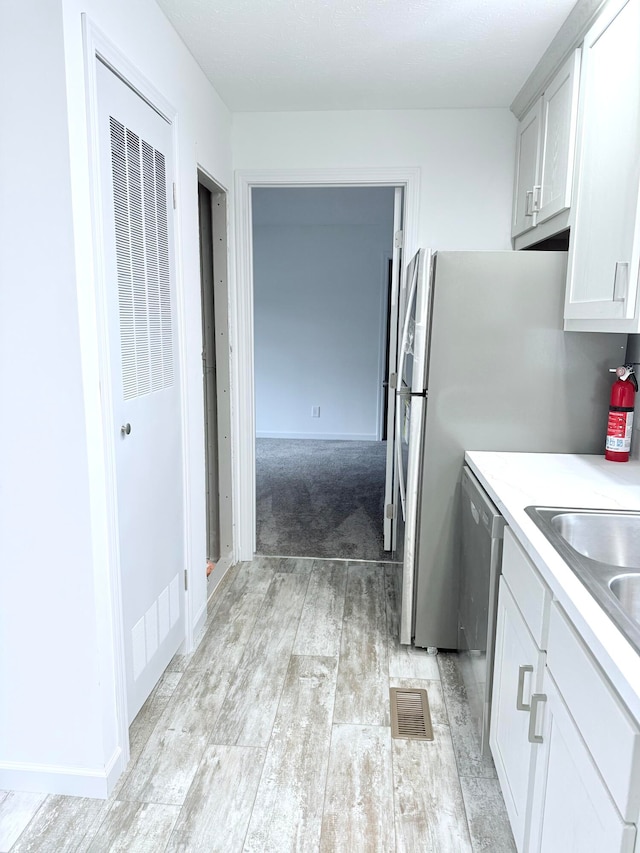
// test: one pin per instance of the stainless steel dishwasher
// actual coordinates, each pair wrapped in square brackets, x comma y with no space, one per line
[480,563]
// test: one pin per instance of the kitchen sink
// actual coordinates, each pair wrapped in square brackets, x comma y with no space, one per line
[597,544]
[612,538]
[626,589]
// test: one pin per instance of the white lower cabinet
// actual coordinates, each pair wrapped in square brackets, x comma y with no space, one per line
[566,749]
[572,810]
[517,676]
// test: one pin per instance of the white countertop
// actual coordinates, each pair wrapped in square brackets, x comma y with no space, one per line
[517,480]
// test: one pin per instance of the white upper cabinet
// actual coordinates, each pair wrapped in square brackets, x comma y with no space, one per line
[545,153]
[527,170]
[602,280]
[559,117]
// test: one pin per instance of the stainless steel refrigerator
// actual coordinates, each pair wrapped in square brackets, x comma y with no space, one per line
[483,364]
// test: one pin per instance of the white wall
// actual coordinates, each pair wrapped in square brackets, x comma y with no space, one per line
[320,271]
[58,725]
[50,704]
[466,159]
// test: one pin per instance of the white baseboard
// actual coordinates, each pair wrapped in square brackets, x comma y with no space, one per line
[69,780]
[321,436]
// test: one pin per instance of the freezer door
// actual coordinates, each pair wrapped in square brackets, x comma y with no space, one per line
[415,312]
[415,304]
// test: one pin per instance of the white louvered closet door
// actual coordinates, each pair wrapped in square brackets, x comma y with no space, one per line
[135,163]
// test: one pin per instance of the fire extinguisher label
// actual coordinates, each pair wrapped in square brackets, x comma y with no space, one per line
[619,431]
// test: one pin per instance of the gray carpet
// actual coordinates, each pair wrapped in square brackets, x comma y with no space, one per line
[320,498]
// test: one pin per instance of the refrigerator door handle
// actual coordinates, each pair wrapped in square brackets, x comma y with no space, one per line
[406,325]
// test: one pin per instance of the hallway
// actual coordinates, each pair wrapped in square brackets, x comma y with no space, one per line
[274,736]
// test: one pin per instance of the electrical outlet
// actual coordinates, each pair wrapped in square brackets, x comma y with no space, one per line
[315,411]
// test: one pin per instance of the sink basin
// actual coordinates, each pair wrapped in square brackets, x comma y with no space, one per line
[596,545]
[612,538]
[626,589]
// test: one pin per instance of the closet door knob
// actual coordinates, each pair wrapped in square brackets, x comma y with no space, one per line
[125,429]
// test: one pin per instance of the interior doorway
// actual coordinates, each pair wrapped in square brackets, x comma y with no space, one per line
[212,218]
[205,218]
[408,181]
[321,300]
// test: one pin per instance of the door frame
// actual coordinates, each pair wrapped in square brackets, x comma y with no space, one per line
[387,258]
[241,309]
[101,448]
[221,295]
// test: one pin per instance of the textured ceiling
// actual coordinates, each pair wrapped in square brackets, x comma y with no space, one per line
[366,54]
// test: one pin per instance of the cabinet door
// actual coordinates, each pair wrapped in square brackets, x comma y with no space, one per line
[527,170]
[517,670]
[572,810]
[603,254]
[560,116]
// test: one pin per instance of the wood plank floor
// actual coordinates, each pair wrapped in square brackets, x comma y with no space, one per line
[274,736]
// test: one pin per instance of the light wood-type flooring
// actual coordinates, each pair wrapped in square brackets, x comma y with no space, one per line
[274,736]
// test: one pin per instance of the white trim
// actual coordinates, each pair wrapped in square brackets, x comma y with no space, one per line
[93,323]
[321,436]
[94,43]
[192,562]
[381,413]
[242,373]
[70,780]
[200,624]
[102,47]
[570,35]
[207,180]
[223,374]
[241,311]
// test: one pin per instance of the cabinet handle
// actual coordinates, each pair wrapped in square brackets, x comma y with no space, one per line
[522,671]
[620,281]
[535,207]
[528,203]
[536,700]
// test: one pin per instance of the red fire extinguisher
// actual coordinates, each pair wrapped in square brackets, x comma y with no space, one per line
[623,392]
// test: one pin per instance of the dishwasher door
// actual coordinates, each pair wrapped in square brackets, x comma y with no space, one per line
[481,558]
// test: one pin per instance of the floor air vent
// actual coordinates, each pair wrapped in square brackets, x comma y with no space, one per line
[410,716]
